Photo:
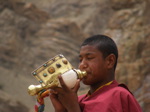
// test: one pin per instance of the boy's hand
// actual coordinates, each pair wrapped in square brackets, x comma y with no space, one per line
[56,103]
[66,98]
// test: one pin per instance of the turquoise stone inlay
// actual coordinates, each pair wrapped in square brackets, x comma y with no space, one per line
[34,73]
[44,74]
[45,65]
[40,81]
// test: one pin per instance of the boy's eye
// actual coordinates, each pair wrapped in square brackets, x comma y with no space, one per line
[80,60]
[89,58]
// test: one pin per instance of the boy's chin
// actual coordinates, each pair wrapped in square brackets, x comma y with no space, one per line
[85,81]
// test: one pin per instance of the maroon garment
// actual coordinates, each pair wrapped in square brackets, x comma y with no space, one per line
[111,98]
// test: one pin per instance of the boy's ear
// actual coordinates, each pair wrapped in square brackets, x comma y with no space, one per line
[111,59]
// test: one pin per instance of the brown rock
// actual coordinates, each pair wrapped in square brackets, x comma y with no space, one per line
[8,104]
[29,36]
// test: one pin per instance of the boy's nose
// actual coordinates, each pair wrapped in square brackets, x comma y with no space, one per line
[83,65]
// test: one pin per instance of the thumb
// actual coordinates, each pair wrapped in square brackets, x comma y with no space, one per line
[77,86]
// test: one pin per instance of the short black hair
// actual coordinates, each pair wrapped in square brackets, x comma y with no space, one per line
[104,44]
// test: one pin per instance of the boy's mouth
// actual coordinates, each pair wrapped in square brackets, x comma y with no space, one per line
[88,73]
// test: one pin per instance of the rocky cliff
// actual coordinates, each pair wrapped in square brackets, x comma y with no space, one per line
[33,31]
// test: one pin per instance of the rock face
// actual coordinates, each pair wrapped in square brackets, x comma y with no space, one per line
[31,33]
[7,104]
[130,28]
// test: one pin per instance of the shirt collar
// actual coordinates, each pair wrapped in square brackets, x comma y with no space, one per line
[88,94]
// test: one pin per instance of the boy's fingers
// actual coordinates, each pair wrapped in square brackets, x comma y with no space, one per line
[52,91]
[77,86]
[64,86]
[62,83]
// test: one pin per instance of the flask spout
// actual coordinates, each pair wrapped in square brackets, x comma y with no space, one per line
[81,74]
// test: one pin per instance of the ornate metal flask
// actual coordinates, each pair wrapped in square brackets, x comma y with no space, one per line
[47,74]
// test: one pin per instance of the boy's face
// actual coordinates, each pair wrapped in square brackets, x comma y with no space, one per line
[92,61]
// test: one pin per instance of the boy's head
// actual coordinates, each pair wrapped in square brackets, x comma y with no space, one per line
[98,57]
[104,44]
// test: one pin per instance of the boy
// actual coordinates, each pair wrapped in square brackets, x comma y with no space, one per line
[98,57]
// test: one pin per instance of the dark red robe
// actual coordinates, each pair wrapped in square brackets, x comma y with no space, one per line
[111,98]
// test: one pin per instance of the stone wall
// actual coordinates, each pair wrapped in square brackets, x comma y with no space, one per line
[33,31]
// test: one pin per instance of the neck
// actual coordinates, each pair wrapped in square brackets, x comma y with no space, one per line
[94,87]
